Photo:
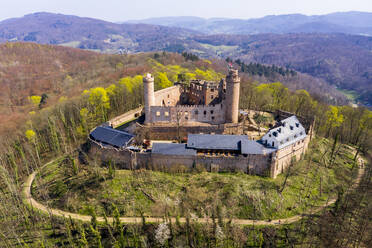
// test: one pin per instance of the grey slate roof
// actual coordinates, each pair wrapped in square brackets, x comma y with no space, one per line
[289,132]
[253,147]
[109,136]
[172,149]
[215,141]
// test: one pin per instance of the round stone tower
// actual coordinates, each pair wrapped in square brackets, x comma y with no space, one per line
[149,96]
[232,96]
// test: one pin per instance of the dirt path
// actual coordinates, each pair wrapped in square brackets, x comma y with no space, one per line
[27,197]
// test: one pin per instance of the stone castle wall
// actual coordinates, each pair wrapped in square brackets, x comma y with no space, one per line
[264,165]
[213,114]
[168,97]
[125,159]
[167,132]
[285,156]
[128,116]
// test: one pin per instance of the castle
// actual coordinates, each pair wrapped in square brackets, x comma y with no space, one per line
[208,114]
[200,101]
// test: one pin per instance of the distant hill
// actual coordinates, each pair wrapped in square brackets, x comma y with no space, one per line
[88,33]
[359,23]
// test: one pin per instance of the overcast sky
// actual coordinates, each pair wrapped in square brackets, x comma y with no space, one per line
[121,10]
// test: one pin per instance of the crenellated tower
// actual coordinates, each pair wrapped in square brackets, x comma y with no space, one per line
[232,96]
[149,96]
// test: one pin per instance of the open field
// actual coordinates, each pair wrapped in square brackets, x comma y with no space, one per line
[229,195]
[350,94]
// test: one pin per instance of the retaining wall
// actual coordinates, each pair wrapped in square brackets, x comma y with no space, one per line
[128,116]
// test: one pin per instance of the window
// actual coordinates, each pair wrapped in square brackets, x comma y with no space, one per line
[168,96]
[212,112]
[157,113]
[196,112]
[212,90]
[186,113]
[205,112]
[166,113]
[212,117]
[273,144]
[212,96]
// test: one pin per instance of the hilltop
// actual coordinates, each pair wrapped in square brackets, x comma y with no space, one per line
[97,87]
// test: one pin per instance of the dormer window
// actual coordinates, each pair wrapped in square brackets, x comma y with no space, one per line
[291,127]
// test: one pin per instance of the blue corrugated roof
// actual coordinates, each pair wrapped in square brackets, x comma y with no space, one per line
[172,149]
[215,141]
[110,136]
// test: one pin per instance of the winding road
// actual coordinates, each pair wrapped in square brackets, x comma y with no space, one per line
[27,197]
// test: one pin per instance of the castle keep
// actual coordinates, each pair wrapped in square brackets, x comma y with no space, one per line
[204,111]
[198,102]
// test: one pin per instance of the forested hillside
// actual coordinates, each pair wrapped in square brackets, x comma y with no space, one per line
[89,33]
[341,60]
[336,59]
[30,72]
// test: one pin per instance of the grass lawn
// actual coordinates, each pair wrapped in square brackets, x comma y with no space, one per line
[310,183]
[219,49]
[351,95]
